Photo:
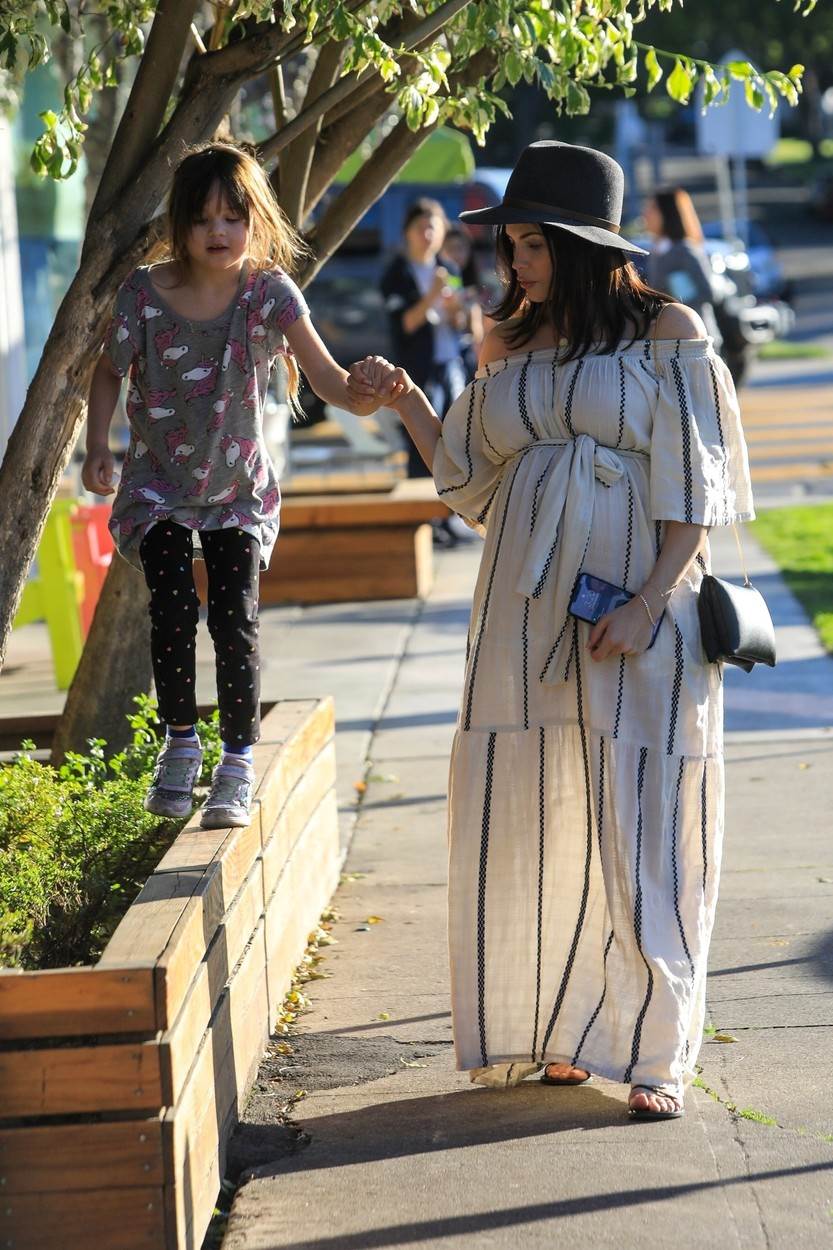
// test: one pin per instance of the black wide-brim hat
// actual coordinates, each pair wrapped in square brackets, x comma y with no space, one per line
[575,189]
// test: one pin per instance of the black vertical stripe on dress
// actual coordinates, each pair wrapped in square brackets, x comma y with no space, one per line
[621,402]
[481,897]
[676,688]
[542,827]
[448,490]
[685,427]
[472,675]
[637,920]
[588,851]
[657,537]
[522,396]
[704,828]
[482,424]
[719,422]
[599,829]
[625,575]
[674,871]
[568,409]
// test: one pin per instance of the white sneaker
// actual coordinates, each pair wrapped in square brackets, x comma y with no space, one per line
[178,766]
[229,802]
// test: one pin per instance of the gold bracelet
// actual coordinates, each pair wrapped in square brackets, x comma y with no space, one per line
[647,609]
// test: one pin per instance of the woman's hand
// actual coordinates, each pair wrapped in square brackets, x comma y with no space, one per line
[624,631]
[375,378]
[97,472]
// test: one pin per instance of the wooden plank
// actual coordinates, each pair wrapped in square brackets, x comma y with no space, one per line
[182,1040]
[197,1129]
[66,1002]
[313,786]
[339,482]
[336,566]
[303,890]
[127,1219]
[59,1080]
[358,511]
[51,1157]
[313,726]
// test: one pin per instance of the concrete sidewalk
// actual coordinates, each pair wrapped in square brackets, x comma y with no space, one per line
[398,1149]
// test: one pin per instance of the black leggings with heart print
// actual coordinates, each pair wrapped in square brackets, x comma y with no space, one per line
[232,561]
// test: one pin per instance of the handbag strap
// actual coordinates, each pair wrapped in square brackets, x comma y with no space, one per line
[658,370]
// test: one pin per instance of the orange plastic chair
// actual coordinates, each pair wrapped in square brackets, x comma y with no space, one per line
[92,548]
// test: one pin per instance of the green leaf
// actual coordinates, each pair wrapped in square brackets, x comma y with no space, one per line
[795,71]
[679,84]
[578,98]
[49,118]
[753,93]
[652,68]
[740,70]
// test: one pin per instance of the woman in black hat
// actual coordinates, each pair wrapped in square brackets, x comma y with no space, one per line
[598,444]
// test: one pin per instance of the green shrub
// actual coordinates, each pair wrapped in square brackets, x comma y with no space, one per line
[76,844]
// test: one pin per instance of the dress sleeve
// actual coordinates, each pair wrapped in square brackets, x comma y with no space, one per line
[122,342]
[699,463]
[277,305]
[467,472]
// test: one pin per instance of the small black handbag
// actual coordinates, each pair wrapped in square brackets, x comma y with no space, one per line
[735,624]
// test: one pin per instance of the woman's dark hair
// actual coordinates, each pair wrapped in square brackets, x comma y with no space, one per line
[594,298]
[679,216]
[423,207]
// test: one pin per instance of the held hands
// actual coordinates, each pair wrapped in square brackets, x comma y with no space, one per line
[376,381]
[624,631]
[97,472]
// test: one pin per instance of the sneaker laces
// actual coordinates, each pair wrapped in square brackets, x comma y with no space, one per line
[177,767]
[230,787]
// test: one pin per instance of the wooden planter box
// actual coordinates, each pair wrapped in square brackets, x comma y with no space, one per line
[120,1083]
[350,547]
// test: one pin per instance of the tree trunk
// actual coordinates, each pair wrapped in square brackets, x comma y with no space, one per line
[115,665]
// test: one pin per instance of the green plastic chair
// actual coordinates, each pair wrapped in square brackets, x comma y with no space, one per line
[55,595]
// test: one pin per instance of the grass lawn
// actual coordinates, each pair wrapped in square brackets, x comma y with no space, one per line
[784,349]
[800,540]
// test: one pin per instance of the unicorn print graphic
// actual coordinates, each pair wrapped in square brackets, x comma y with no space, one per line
[157,409]
[204,376]
[154,491]
[227,495]
[178,446]
[166,349]
[145,310]
[235,351]
[201,473]
[235,448]
[219,409]
[233,518]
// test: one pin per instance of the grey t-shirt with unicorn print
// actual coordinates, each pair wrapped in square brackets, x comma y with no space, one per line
[195,400]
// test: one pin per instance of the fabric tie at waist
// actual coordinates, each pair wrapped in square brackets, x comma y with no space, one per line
[563,522]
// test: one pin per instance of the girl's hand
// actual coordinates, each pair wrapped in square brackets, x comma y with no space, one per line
[97,472]
[624,631]
[374,377]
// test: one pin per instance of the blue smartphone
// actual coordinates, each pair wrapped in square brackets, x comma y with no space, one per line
[593,598]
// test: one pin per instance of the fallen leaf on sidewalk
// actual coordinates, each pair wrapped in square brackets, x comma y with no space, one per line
[724,1037]
[825,880]
[383,1015]
[360,786]
[374,919]
[803,764]
[383,777]
[411,1063]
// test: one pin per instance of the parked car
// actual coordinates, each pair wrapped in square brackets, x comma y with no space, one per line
[767,273]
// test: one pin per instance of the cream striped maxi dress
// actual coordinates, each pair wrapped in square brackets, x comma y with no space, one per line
[586,798]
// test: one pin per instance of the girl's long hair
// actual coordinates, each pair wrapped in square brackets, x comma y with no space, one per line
[679,216]
[246,189]
[594,297]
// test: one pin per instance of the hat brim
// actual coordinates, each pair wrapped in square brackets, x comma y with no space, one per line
[500,215]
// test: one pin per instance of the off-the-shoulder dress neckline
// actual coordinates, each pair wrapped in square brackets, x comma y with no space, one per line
[645,349]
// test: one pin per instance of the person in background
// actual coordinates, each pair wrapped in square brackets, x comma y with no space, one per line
[679,264]
[458,250]
[427,315]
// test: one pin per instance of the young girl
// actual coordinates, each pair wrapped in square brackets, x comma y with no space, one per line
[198,337]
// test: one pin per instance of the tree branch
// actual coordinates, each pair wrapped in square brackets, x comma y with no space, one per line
[345,86]
[296,159]
[379,170]
[338,141]
[149,95]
